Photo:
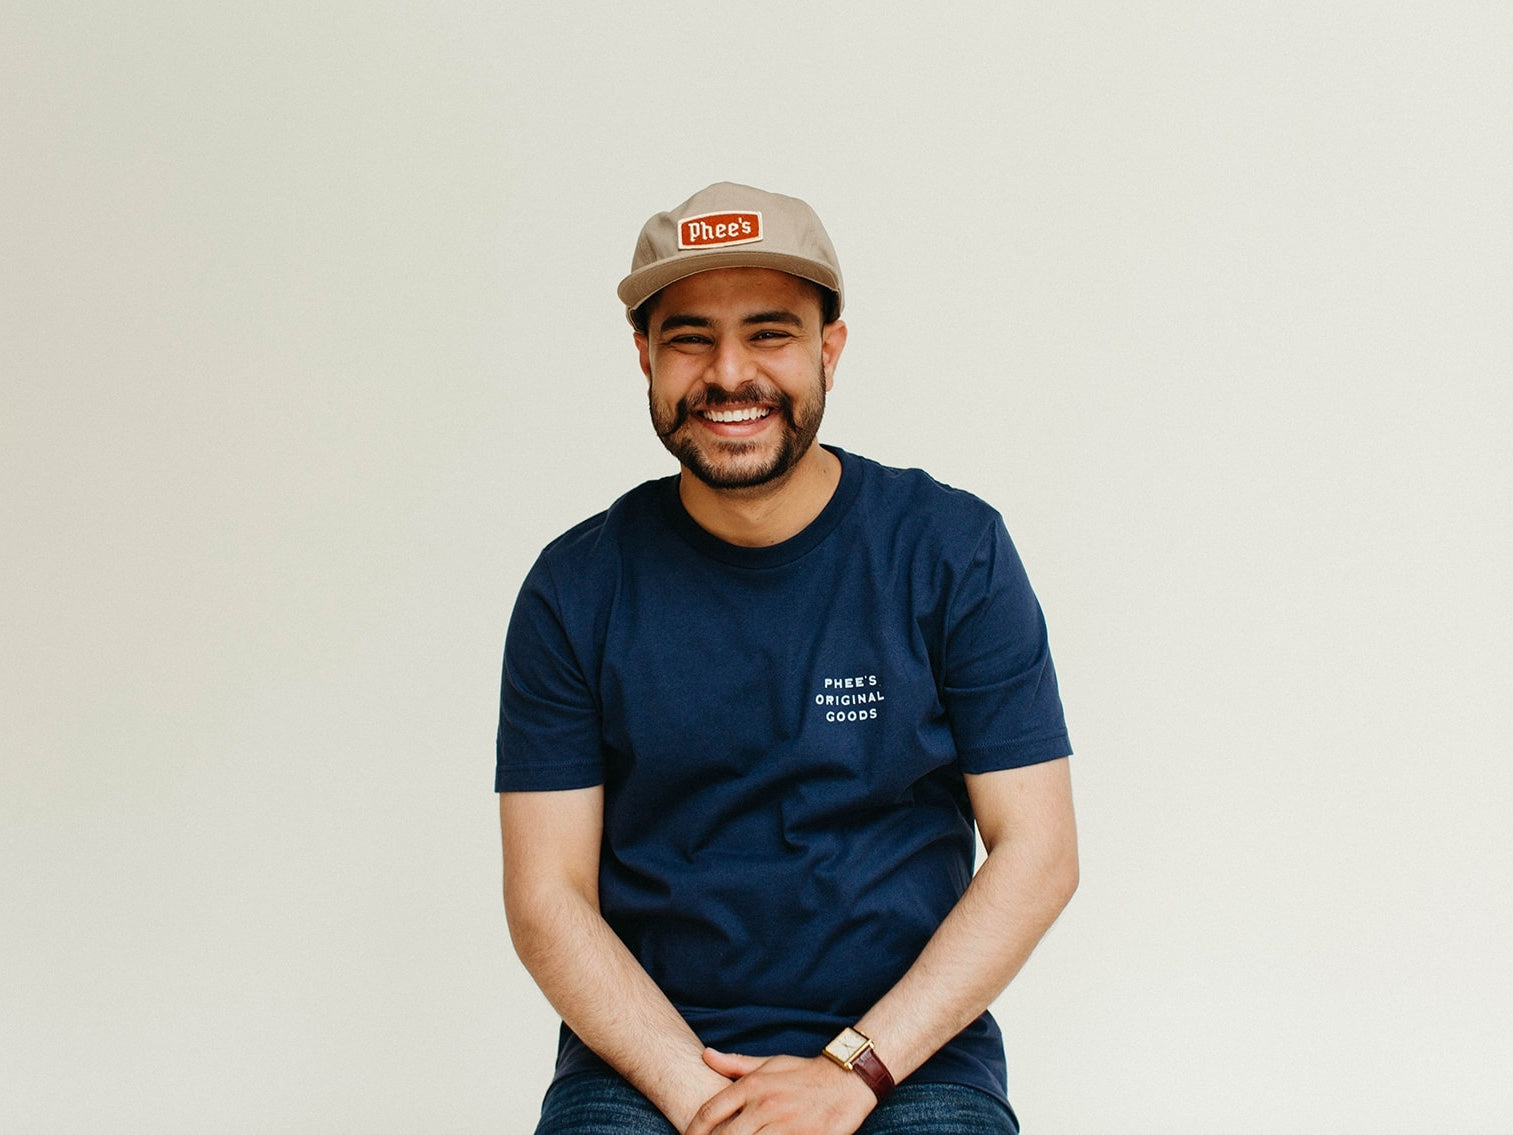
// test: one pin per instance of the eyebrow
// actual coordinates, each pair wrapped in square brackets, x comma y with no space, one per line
[673,322]
[773,317]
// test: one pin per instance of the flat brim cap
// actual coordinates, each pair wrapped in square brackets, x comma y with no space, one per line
[731,226]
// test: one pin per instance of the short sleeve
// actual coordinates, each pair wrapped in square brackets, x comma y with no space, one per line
[549,726]
[998,681]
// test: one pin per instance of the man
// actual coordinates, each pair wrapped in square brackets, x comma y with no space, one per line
[749,716]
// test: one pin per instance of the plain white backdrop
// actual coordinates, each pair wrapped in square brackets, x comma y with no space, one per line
[308,342]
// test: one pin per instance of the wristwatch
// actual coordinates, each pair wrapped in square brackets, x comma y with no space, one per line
[853,1052]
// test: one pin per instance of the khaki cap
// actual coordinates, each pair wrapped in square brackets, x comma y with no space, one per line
[731,226]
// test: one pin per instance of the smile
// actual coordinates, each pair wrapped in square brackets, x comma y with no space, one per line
[750,414]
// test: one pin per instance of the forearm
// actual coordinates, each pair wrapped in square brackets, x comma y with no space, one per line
[1012,901]
[551,843]
[607,999]
[1025,818]
[969,960]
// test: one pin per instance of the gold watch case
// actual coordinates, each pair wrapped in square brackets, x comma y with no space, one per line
[847,1046]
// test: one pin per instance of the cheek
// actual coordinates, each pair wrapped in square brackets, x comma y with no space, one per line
[669,381]
[659,392]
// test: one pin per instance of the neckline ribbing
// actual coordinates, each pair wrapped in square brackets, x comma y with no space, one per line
[774,555]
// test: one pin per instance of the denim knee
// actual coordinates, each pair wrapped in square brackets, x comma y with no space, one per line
[590,1103]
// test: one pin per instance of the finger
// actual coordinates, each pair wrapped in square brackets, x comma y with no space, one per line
[716,1110]
[732,1064]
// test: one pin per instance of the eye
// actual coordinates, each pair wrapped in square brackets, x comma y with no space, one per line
[771,334]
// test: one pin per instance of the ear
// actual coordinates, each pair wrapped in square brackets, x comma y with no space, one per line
[643,349]
[832,342]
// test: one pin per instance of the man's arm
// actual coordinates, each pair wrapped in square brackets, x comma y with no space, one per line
[551,899]
[1026,822]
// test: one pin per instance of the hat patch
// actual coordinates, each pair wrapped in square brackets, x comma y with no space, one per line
[711,230]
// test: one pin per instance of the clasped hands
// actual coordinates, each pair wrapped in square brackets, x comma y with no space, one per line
[782,1095]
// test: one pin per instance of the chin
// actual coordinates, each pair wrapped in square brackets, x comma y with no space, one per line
[739,470]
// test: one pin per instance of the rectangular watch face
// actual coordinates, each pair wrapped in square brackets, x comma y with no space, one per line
[848,1046]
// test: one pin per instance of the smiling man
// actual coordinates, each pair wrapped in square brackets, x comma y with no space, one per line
[750,715]
[777,406]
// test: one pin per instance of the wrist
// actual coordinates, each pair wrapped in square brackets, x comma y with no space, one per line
[689,1094]
[853,1052]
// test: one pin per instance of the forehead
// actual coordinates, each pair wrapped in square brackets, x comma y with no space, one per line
[736,291]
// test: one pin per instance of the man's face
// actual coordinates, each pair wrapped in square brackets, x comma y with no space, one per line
[738,361]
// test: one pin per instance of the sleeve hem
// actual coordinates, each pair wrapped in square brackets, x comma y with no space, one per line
[1019,754]
[547,780]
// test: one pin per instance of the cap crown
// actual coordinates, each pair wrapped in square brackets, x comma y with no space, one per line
[731,226]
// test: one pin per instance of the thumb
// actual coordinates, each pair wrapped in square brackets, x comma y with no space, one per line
[730,1065]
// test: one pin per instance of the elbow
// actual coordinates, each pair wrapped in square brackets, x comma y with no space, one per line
[1067,874]
[542,919]
[1034,879]
[1058,874]
[528,915]
[524,913]
[529,933]
[1063,868]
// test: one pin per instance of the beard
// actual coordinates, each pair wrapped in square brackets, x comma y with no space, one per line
[737,463]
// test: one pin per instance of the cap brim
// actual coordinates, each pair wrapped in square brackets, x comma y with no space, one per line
[640,286]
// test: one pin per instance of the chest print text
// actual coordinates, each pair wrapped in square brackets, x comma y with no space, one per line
[851,698]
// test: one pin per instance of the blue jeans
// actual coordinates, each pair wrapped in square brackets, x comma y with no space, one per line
[594,1104]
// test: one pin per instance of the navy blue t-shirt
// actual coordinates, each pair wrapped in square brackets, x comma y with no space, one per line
[781,733]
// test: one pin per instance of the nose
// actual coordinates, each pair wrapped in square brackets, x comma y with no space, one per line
[729,366]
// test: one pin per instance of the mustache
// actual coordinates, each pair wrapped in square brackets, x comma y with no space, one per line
[746,392]
[712,397]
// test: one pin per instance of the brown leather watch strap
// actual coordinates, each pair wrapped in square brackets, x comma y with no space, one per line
[874,1072]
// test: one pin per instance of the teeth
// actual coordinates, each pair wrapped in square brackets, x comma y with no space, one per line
[749,415]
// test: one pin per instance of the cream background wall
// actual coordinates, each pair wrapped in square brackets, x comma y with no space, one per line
[308,342]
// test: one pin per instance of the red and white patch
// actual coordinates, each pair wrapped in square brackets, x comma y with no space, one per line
[711,230]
